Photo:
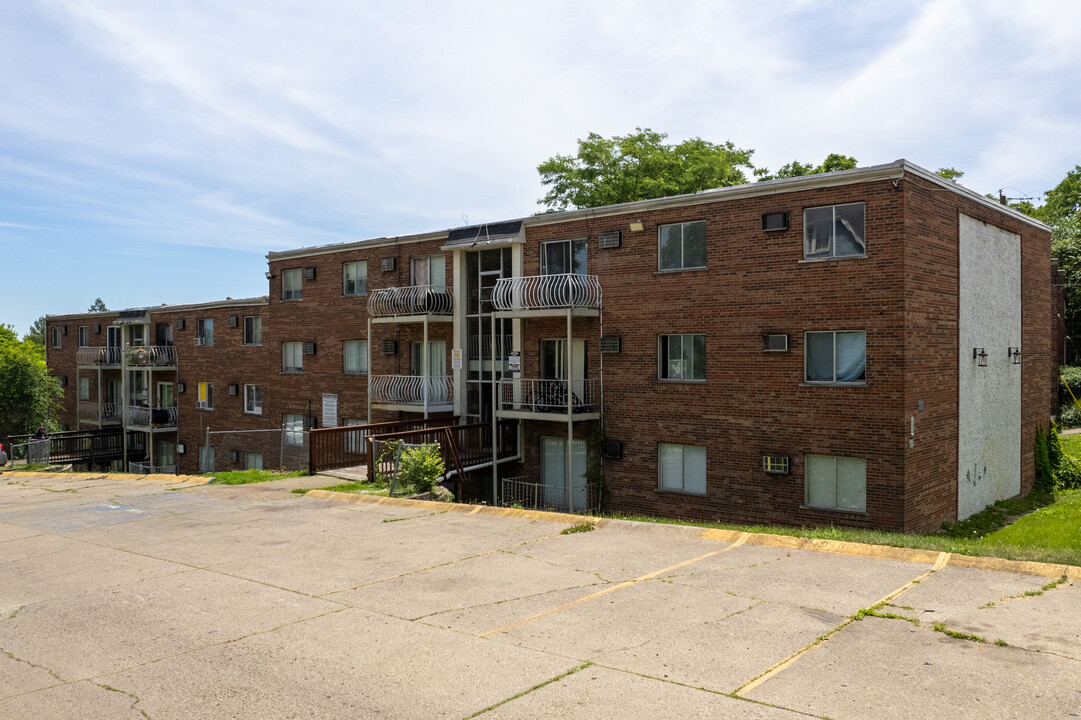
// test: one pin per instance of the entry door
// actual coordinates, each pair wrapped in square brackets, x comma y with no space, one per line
[437,369]
[554,363]
[112,336]
[553,471]
[166,398]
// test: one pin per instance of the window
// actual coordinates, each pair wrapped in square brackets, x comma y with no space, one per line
[253,399]
[356,357]
[292,357]
[430,270]
[166,453]
[84,388]
[291,284]
[834,231]
[253,461]
[294,429]
[206,396]
[835,357]
[682,357]
[682,246]
[84,336]
[253,330]
[113,336]
[163,334]
[166,395]
[835,482]
[204,328]
[682,468]
[355,278]
[56,337]
[564,256]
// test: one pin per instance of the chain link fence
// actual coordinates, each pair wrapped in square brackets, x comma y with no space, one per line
[388,462]
[270,449]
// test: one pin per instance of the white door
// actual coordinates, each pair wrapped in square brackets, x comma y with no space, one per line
[553,471]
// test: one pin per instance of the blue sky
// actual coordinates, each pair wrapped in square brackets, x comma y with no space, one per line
[154,152]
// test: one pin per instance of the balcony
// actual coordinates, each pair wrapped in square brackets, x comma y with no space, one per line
[100,413]
[413,302]
[145,468]
[151,356]
[412,392]
[145,418]
[98,356]
[543,295]
[547,399]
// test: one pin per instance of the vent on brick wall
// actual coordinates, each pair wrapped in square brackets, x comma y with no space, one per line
[233,321]
[234,389]
[63,329]
[309,348]
[180,449]
[390,347]
[610,239]
[62,380]
[776,464]
[611,344]
[97,328]
[309,273]
[181,387]
[775,221]
[612,449]
[774,343]
[180,323]
[389,264]
[235,455]
[311,423]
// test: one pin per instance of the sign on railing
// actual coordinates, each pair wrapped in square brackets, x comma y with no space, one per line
[411,300]
[547,292]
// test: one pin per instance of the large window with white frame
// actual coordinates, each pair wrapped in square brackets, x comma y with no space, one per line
[56,337]
[292,357]
[84,388]
[292,284]
[253,330]
[835,483]
[682,246]
[355,357]
[204,330]
[681,468]
[253,399]
[253,461]
[355,278]
[834,231]
[682,357]
[835,357]
[84,336]
[563,256]
[430,270]
[294,429]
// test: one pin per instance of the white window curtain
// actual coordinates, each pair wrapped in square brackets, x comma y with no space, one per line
[553,464]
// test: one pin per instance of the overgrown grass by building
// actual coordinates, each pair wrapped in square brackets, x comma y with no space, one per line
[246,477]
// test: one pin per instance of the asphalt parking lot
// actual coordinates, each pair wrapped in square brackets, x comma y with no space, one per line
[124,598]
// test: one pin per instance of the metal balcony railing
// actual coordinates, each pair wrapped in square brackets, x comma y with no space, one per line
[412,389]
[98,356]
[549,396]
[411,300]
[547,292]
[144,417]
[522,492]
[151,356]
[103,412]
[145,468]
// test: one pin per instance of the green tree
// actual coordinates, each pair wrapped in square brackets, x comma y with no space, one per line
[37,332]
[833,162]
[28,396]
[638,166]
[98,306]
[950,173]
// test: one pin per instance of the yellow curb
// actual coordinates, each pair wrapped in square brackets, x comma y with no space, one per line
[174,479]
[886,552]
[455,507]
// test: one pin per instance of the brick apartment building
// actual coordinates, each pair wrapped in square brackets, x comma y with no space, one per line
[869,348]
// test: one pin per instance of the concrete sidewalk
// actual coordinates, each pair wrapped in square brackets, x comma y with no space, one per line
[121,597]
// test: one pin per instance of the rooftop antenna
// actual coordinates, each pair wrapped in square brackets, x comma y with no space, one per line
[1006,200]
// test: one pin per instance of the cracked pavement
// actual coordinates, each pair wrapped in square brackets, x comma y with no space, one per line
[149,599]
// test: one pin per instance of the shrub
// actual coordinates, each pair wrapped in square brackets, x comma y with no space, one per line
[1068,415]
[421,467]
[1045,481]
[1069,473]
[1072,375]
[1054,449]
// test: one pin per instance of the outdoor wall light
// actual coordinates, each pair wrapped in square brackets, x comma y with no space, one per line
[637,226]
[269,274]
[980,356]
[1014,354]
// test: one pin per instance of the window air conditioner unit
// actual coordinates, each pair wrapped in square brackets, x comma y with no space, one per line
[63,329]
[389,264]
[180,323]
[311,423]
[234,389]
[233,321]
[775,464]
[390,347]
[201,405]
[235,455]
[774,343]
[612,449]
[775,221]
[197,341]
[309,348]
[180,449]
[97,328]
[62,380]
[181,387]
[610,239]
[309,273]
[611,344]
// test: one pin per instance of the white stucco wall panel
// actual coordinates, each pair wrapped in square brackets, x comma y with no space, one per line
[988,398]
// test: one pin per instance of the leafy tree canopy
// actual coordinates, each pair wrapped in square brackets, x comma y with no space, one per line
[950,173]
[638,166]
[28,396]
[98,306]
[37,332]
[833,161]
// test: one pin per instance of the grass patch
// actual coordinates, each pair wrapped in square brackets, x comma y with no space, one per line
[246,477]
[580,527]
[1056,526]
[368,487]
